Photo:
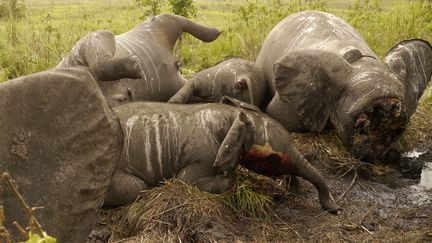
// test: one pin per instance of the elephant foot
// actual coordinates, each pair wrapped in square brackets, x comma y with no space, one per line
[377,128]
[118,68]
[124,188]
[215,184]
[131,67]
[209,179]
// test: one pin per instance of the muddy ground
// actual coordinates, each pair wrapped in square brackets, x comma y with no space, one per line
[380,204]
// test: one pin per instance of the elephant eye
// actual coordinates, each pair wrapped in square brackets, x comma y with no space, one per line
[242,83]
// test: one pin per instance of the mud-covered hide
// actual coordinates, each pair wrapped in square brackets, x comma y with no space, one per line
[322,73]
[61,143]
[188,141]
[143,54]
[237,78]
[202,144]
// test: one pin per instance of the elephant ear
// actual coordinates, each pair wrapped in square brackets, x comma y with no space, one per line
[411,61]
[307,84]
[229,152]
[238,103]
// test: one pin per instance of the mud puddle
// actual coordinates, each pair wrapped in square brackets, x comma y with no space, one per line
[421,173]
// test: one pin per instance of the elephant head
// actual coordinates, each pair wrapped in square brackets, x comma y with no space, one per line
[237,78]
[368,102]
[269,150]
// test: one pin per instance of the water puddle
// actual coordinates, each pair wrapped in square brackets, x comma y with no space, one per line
[426,176]
[421,191]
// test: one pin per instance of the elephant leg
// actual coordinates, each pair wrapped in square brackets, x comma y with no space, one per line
[99,52]
[215,184]
[123,189]
[210,179]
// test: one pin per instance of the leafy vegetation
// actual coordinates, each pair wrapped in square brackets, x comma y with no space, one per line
[184,8]
[151,7]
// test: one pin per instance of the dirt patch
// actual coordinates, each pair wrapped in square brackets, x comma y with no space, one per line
[380,204]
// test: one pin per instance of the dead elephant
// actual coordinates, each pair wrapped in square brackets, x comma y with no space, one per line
[60,142]
[202,144]
[321,71]
[237,78]
[142,58]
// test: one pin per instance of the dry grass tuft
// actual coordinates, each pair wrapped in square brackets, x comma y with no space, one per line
[175,209]
[177,212]
[327,149]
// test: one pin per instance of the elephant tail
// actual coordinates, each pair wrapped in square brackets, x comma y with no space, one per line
[311,174]
[182,24]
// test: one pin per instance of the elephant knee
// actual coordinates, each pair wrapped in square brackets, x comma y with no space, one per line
[216,184]
[123,189]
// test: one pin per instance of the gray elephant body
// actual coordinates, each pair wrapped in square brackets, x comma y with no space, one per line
[320,70]
[201,144]
[60,143]
[237,78]
[309,30]
[139,64]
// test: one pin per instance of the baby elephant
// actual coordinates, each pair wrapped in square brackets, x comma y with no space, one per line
[237,78]
[202,144]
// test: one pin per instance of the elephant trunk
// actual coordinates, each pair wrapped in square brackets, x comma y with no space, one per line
[183,24]
[184,94]
[311,174]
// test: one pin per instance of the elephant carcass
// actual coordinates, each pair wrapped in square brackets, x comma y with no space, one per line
[202,144]
[320,69]
[60,143]
[138,64]
[237,78]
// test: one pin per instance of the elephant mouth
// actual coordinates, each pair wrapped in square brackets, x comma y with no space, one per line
[377,128]
[263,160]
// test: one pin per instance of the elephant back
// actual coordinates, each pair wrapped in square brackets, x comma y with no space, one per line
[160,138]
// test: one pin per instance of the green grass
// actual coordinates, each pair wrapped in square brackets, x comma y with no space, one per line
[38,41]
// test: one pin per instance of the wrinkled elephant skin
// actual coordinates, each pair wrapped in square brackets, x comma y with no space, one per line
[320,70]
[61,143]
[236,78]
[202,144]
[139,64]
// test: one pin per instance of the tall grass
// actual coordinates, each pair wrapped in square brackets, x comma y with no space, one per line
[38,40]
